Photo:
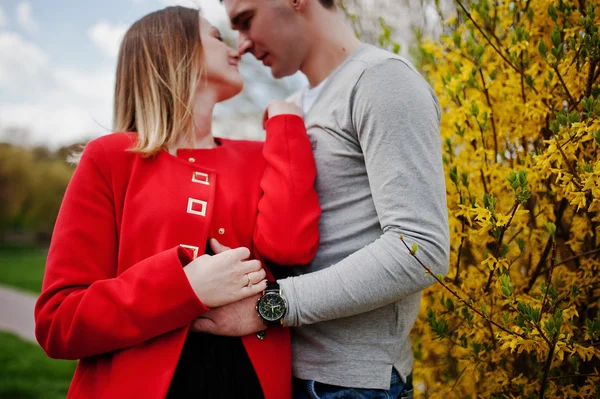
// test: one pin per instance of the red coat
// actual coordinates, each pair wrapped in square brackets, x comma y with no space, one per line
[115,294]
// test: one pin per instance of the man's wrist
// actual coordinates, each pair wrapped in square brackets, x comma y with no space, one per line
[272,305]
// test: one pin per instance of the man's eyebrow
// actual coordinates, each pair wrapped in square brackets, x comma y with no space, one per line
[235,20]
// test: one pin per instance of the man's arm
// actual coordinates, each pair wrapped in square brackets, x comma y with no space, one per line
[396,117]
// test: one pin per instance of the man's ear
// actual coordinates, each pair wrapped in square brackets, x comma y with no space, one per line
[299,4]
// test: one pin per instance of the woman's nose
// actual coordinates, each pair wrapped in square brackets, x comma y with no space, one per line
[235,54]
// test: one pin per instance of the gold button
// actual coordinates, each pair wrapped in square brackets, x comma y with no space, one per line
[221,231]
[192,160]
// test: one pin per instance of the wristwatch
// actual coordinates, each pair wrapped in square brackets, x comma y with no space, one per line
[272,306]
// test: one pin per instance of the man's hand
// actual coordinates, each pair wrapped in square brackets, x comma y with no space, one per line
[236,319]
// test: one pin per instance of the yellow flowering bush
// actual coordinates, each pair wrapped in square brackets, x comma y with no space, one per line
[518,314]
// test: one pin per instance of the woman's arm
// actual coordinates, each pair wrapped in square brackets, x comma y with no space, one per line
[287,227]
[85,309]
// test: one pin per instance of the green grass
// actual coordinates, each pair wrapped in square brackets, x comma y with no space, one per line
[27,373]
[23,267]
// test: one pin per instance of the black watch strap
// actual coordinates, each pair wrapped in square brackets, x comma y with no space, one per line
[272,286]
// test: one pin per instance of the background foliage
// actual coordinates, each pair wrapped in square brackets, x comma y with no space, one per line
[517,316]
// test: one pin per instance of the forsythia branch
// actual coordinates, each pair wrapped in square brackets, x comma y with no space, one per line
[429,271]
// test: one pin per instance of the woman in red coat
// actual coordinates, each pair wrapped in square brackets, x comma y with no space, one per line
[130,266]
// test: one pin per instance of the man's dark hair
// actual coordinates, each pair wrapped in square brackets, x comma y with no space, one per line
[328,4]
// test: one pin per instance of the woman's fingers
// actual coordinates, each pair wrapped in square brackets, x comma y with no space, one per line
[253,289]
[255,277]
[250,266]
[217,247]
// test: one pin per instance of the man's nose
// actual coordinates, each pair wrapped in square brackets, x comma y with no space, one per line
[244,44]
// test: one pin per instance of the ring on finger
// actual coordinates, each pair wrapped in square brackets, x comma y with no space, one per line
[249,280]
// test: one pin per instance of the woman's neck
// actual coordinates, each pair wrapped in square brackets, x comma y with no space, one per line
[201,136]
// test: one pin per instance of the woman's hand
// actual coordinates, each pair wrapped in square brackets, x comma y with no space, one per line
[233,320]
[226,277]
[280,107]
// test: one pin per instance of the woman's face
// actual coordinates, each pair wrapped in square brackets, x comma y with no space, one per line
[221,64]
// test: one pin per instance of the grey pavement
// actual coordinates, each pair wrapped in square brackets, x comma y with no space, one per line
[16,312]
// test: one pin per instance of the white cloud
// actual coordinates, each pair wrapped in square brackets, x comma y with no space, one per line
[107,37]
[25,17]
[57,105]
[23,65]
[2,18]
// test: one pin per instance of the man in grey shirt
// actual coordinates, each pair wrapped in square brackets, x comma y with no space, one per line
[374,125]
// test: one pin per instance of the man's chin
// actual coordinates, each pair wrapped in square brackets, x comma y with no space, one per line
[279,74]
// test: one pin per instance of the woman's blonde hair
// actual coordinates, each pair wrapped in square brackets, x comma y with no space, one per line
[158,70]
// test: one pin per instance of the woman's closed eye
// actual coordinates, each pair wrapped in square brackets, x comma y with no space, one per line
[217,34]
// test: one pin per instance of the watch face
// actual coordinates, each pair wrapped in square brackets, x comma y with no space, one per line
[272,306]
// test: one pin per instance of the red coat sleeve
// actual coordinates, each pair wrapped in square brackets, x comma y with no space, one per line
[287,228]
[87,309]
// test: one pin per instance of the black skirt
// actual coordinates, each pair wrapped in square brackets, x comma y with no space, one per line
[211,366]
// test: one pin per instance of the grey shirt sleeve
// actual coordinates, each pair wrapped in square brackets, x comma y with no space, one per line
[396,118]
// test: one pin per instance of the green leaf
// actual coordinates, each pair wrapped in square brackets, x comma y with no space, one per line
[413,248]
[474,109]
[542,48]
[555,36]
[454,175]
[449,304]
[506,285]
[551,228]
[456,39]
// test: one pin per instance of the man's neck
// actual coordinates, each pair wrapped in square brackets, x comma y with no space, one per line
[330,49]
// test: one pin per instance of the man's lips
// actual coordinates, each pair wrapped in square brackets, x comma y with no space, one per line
[266,60]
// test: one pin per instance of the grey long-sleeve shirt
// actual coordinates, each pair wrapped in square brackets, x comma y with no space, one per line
[376,140]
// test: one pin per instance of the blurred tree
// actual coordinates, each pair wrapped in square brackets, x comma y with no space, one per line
[32,184]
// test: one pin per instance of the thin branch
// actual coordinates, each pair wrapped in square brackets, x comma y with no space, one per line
[562,377]
[596,75]
[487,39]
[547,248]
[549,279]
[593,251]
[547,368]
[565,88]
[590,81]
[571,168]
[458,378]
[460,247]
[485,190]
[499,244]
[532,324]
[489,102]
[450,290]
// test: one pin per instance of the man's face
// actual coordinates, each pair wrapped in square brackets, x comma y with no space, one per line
[271,31]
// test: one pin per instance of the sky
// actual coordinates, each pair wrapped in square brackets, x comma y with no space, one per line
[57,65]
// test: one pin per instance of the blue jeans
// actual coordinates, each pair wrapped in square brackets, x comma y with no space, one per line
[304,389]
